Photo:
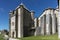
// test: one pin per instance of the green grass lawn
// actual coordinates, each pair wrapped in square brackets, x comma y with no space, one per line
[1,37]
[50,37]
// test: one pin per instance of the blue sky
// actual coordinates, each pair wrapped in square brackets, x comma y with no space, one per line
[37,5]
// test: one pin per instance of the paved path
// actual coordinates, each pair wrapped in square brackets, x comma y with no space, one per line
[13,39]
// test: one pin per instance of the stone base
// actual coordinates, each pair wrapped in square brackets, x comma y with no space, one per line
[47,33]
[13,39]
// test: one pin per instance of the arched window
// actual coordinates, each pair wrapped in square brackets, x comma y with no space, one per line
[12,23]
[13,34]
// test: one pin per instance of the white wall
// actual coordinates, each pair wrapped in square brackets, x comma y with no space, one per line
[13,26]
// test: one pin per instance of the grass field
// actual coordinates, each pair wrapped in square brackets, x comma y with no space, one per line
[50,37]
[1,37]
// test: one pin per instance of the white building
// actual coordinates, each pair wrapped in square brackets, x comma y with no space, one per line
[22,22]
[48,21]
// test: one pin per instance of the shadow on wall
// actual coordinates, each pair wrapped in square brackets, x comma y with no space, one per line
[38,30]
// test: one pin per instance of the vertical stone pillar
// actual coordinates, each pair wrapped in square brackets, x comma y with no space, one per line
[39,22]
[32,15]
[42,25]
[15,24]
[20,22]
[35,22]
[35,25]
[48,22]
[53,22]
[58,26]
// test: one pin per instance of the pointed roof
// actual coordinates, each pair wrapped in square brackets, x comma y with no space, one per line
[19,5]
[23,6]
